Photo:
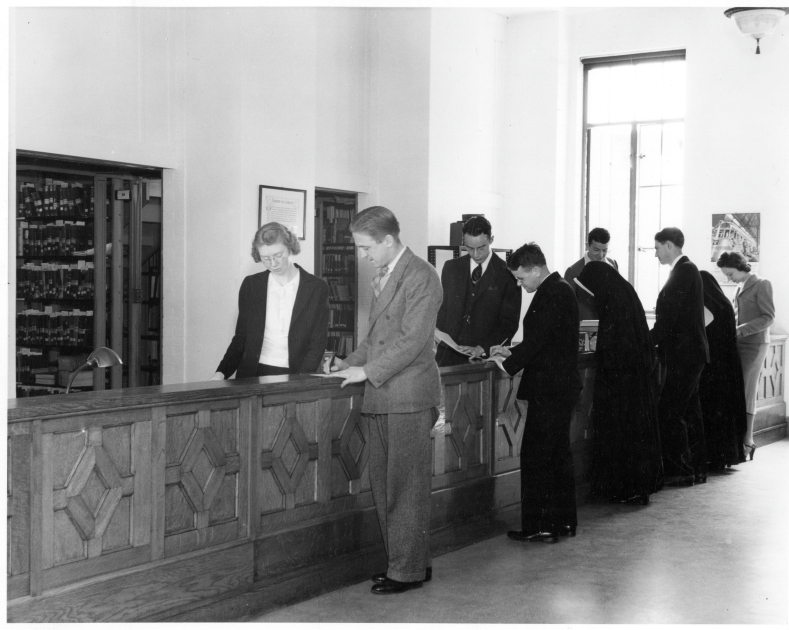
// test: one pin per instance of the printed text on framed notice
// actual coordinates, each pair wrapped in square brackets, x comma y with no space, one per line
[287,206]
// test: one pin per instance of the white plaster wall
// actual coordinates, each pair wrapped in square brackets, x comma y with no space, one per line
[736,138]
[466,67]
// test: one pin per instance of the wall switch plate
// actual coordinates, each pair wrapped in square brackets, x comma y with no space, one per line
[123,195]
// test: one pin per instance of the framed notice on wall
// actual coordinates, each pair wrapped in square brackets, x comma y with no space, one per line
[287,206]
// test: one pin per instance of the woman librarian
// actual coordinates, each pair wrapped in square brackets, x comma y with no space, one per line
[753,305]
[283,313]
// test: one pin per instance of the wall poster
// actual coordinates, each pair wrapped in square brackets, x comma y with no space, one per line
[287,206]
[735,232]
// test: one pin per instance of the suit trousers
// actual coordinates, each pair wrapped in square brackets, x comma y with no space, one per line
[547,471]
[680,421]
[401,466]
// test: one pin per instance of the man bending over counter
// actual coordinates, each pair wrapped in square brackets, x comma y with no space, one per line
[482,301]
[402,390]
[548,356]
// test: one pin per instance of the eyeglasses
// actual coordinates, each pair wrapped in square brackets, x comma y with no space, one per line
[267,260]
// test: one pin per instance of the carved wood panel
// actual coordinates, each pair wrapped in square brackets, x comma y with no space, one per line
[18,511]
[771,376]
[350,448]
[510,423]
[460,445]
[205,498]
[96,497]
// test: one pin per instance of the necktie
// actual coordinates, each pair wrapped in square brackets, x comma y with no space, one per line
[476,274]
[378,280]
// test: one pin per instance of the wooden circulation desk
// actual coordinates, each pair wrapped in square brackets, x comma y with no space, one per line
[219,500]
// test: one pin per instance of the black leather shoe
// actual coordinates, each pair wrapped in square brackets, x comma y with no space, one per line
[379,578]
[393,587]
[544,537]
[567,530]
[679,481]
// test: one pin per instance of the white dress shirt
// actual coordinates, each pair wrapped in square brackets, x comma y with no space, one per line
[483,264]
[390,268]
[279,309]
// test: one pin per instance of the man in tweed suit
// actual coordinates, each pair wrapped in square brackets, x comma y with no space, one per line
[396,361]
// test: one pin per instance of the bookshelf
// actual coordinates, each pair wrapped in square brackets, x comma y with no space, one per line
[335,262]
[78,232]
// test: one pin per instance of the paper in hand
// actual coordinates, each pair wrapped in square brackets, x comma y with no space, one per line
[445,338]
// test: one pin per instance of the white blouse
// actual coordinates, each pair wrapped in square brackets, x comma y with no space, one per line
[279,309]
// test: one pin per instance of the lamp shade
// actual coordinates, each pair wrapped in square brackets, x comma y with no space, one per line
[99,358]
[756,22]
[103,358]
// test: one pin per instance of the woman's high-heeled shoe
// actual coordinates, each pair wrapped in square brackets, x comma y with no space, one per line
[749,448]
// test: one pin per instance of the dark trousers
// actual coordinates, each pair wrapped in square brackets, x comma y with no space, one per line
[401,468]
[680,421]
[547,472]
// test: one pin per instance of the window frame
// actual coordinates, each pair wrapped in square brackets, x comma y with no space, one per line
[609,61]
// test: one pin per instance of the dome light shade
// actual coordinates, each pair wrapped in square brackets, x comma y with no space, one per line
[756,22]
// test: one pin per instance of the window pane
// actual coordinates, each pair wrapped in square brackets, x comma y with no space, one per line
[671,206]
[649,155]
[622,93]
[597,93]
[673,153]
[609,181]
[649,90]
[673,89]
[647,273]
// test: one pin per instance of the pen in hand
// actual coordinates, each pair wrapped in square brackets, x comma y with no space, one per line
[494,349]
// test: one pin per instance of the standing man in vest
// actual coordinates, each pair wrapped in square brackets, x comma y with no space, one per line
[596,249]
[397,364]
[681,339]
[482,301]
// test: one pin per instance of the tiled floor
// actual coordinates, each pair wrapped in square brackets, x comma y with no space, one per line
[715,553]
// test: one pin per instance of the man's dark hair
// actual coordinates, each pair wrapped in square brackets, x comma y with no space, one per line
[527,256]
[476,226]
[672,234]
[600,235]
[376,222]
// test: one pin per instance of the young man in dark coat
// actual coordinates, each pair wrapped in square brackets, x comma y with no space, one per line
[548,356]
[482,301]
[596,249]
[681,341]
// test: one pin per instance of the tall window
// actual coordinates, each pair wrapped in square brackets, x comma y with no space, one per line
[634,110]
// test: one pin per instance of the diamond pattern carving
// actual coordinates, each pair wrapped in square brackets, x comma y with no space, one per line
[352,445]
[465,422]
[290,456]
[204,459]
[93,493]
[512,418]
[291,452]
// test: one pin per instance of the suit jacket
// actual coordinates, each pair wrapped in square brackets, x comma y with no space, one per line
[679,316]
[755,310]
[586,307]
[307,335]
[397,354]
[548,354]
[495,303]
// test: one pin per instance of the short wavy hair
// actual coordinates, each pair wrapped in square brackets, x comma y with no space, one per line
[377,222]
[733,260]
[274,233]
[477,225]
[527,256]
[672,234]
